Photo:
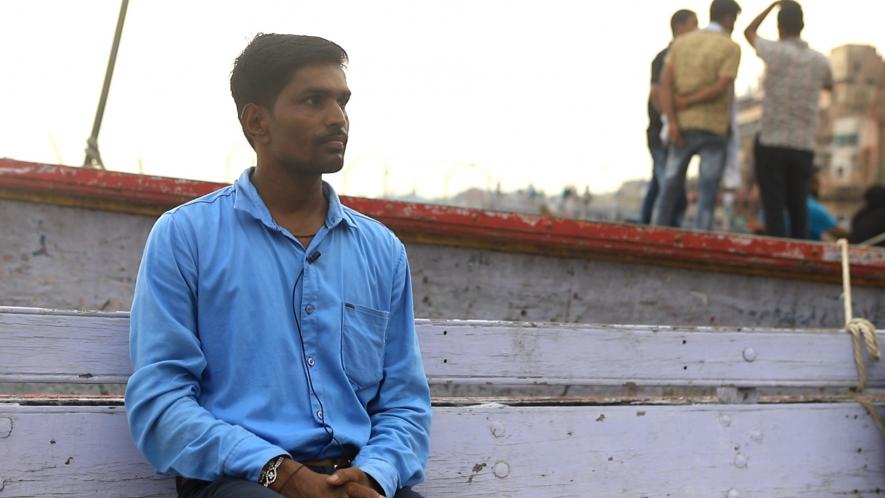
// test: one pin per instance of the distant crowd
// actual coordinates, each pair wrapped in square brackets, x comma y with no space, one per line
[692,113]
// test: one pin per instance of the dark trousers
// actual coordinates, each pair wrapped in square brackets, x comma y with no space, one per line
[239,488]
[784,178]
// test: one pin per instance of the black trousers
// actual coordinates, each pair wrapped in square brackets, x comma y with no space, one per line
[239,488]
[784,178]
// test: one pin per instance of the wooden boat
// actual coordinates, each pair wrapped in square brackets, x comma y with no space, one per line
[73,239]
[701,392]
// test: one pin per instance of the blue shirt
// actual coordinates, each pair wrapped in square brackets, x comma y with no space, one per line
[222,382]
[819,219]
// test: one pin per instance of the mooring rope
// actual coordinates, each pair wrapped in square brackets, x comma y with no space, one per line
[863,333]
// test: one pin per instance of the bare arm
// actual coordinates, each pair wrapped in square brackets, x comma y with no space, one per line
[706,94]
[836,233]
[724,82]
[750,32]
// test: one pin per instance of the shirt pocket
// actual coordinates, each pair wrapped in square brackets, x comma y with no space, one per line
[362,344]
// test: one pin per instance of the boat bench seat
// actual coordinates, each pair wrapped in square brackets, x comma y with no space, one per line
[520,410]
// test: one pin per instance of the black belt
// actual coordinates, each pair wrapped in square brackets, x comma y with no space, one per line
[329,465]
[326,466]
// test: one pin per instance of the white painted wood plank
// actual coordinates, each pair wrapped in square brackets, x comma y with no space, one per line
[93,348]
[58,347]
[760,451]
[28,310]
[497,352]
[648,451]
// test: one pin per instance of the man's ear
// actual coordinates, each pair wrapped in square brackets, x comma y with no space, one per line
[254,121]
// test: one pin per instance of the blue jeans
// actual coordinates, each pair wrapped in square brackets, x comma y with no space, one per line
[711,148]
[659,162]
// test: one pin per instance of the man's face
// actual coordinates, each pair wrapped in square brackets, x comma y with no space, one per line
[688,26]
[308,124]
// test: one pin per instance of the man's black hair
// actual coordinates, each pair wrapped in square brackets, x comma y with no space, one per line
[680,17]
[269,61]
[724,9]
[875,196]
[790,19]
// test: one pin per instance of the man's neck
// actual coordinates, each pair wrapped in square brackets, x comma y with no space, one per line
[295,201]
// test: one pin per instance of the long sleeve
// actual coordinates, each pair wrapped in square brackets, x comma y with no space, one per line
[174,432]
[396,453]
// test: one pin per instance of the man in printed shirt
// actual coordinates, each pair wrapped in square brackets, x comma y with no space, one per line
[272,329]
[697,88]
[784,150]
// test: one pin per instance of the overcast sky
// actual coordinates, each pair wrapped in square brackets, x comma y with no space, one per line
[447,94]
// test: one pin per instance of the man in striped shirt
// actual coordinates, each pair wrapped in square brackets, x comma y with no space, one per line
[784,150]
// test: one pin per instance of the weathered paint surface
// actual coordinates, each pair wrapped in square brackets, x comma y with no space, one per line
[87,348]
[77,258]
[37,346]
[555,449]
[440,225]
[478,284]
[507,353]
[782,451]
[69,258]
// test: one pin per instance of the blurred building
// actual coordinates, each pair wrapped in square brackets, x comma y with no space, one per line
[850,153]
[855,158]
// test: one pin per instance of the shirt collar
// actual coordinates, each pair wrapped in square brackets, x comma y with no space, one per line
[337,213]
[715,27]
[249,201]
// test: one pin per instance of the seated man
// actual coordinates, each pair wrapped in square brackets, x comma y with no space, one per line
[272,329]
[821,224]
[868,224]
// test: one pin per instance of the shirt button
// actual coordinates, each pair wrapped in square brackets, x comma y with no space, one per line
[308,309]
[311,361]
[319,414]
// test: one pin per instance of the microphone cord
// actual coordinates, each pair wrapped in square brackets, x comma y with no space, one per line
[297,309]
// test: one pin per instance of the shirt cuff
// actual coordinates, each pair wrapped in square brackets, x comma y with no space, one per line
[383,473]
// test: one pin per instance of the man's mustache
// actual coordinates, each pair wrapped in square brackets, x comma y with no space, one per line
[336,133]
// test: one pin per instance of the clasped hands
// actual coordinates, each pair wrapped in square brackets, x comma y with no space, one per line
[344,483]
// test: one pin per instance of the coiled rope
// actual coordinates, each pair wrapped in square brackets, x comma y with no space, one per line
[863,334]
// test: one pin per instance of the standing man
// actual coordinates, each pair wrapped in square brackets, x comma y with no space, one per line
[683,21]
[697,89]
[272,330]
[784,149]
